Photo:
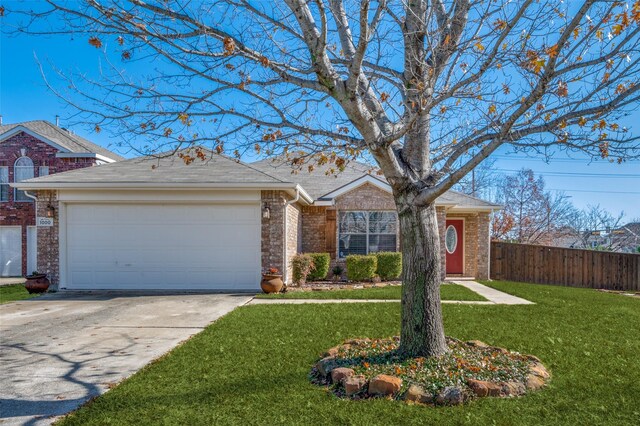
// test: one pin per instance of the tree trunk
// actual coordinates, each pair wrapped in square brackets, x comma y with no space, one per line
[422,330]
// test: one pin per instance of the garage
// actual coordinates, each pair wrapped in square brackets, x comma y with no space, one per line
[168,246]
[10,251]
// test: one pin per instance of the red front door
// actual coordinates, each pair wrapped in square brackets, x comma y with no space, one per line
[453,242]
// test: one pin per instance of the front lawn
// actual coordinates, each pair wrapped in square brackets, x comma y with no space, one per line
[13,292]
[447,292]
[252,366]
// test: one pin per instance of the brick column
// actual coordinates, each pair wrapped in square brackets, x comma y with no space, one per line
[48,247]
[484,245]
[273,239]
[441,214]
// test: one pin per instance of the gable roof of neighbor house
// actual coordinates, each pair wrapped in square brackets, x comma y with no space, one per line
[322,186]
[59,137]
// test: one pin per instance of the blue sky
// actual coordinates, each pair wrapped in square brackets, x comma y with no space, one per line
[24,96]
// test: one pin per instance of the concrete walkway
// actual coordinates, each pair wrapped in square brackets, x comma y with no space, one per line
[59,350]
[493,296]
[11,281]
[321,301]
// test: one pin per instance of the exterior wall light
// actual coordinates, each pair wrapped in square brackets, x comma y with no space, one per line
[51,211]
[266,212]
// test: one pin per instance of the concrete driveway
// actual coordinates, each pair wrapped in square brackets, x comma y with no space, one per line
[62,349]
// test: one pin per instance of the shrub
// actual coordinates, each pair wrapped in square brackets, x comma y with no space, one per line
[389,265]
[321,266]
[301,265]
[360,268]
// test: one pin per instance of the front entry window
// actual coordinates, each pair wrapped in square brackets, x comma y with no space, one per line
[451,239]
[364,232]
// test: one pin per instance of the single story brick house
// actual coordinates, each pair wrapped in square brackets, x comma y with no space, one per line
[27,150]
[157,223]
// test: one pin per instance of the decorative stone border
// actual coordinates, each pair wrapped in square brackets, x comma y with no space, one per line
[347,383]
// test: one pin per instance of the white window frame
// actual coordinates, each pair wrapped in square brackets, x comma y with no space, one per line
[367,229]
[16,167]
[4,182]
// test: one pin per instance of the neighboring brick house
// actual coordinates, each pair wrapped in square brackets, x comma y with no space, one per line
[158,223]
[27,150]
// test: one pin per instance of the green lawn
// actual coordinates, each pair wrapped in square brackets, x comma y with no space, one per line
[251,366]
[447,292]
[13,292]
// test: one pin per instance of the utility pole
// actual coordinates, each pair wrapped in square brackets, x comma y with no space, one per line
[473,182]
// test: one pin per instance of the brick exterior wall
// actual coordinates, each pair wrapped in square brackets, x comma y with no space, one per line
[48,247]
[42,154]
[369,197]
[314,220]
[366,197]
[441,216]
[484,245]
[294,235]
[273,237]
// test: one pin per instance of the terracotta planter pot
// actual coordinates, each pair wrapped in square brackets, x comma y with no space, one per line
[271,283]
[37,283]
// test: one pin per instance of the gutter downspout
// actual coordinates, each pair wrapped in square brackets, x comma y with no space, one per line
[284,246]
[34,198]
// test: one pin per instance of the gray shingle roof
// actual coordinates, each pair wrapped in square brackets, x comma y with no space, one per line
[64,138]
[318,183]
[164,169]
[218,169]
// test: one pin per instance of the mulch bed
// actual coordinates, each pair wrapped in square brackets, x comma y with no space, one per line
[365,368]
[341,285]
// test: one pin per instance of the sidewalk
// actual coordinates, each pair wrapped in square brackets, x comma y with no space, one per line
[10,281]
[493,296]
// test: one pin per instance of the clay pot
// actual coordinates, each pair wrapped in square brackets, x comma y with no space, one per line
[37,283]
[271,283]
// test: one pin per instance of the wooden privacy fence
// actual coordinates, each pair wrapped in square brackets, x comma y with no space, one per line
[565,266]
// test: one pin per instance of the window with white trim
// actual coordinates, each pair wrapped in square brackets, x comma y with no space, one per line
[22,170]
[4,183]
[43,171]
[364,232]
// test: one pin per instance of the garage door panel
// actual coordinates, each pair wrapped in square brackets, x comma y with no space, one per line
[163,246]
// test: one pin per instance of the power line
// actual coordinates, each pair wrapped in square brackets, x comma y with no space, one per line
[561,160]
[579,174]
[599,192]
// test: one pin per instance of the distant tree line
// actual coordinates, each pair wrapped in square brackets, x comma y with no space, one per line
[535,215]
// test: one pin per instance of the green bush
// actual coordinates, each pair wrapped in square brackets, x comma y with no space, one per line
[389,265]
[321,266]
[301,265]
[360,268]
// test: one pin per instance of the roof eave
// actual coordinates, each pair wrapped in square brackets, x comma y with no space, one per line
[85,155]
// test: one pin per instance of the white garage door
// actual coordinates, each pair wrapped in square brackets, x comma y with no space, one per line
[167,246]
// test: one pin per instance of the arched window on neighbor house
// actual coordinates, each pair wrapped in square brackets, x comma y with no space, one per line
[22,170]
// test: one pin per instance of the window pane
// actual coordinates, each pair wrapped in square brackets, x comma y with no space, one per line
[382,242]
[43,171]
[22,170]
[382,222]
[4,174]
[352,244]
[353,223]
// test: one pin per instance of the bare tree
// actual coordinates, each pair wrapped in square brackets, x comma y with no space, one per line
[481,182]
[595,226]
[428,88]
[531,215]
